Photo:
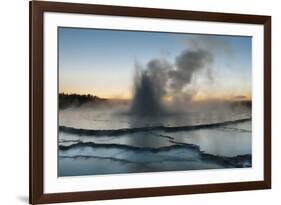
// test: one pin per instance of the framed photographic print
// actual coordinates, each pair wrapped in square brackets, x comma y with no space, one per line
[138,102]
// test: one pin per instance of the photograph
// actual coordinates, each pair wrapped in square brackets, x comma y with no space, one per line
[134,101]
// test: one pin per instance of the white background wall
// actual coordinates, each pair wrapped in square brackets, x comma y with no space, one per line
[14,101]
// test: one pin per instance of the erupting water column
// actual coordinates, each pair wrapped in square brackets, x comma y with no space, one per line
[146,102]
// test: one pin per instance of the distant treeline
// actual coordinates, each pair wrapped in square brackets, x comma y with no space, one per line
[76,100]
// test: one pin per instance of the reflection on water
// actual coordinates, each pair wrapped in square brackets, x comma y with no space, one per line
[143,150]
[105,119]
[120,161]
[224,141]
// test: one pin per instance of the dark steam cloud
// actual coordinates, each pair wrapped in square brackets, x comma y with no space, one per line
[188,63]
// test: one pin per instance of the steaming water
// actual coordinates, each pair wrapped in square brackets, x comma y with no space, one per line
[225,146]
[116,118]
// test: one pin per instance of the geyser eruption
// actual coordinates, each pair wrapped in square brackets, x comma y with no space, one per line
[160,78]
[149,88]
[146,101]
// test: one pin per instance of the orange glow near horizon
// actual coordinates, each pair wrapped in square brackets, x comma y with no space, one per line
[197,97]
[106,94]
[201,96]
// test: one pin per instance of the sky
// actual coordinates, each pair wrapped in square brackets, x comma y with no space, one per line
[102,62]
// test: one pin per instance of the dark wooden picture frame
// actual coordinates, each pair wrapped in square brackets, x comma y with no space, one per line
[37,8]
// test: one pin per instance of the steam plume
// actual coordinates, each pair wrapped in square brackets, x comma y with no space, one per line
[159,77]
[188,63]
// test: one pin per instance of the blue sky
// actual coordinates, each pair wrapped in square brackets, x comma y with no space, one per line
[101,62]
